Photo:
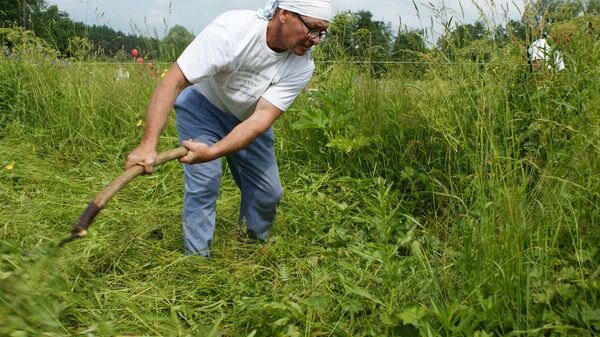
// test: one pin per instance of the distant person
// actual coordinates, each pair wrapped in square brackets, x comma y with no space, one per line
[541,55]
[228,87]
[121,74]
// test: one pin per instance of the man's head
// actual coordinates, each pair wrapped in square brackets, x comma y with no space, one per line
[318,9]
[297,25]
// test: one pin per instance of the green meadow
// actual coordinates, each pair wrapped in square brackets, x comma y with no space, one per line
[463,202]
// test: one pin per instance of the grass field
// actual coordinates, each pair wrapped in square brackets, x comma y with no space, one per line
[463,203]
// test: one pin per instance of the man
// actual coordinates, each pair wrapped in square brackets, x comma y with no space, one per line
[228,87]
[540,53]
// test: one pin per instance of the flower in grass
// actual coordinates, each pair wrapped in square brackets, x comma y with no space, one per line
[10,166]
[139,123]
[164,72]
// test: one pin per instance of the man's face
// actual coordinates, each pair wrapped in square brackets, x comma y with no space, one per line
[304,32]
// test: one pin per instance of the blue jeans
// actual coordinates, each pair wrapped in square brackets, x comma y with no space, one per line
[254,170]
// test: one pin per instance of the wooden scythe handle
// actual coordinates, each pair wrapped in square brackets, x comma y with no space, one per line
[94,207]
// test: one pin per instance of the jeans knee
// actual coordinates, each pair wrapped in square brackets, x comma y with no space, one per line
[267,198]
[275,195]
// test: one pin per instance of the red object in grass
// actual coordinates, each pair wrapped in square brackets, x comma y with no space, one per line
[134,52]
[139,60]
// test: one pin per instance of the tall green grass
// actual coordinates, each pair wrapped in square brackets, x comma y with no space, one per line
[461,204]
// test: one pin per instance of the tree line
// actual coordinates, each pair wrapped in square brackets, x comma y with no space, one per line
[353,36]
[74,39]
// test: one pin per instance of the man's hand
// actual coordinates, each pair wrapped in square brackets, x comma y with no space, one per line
[199,153]
[158,112]
[241,136]
[144,156]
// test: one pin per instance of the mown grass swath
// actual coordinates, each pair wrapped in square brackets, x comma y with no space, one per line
[462,203]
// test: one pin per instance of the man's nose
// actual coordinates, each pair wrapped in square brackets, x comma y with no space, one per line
[315,40]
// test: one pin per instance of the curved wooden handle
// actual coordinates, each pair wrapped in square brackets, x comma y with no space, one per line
[121,181]
[94,207]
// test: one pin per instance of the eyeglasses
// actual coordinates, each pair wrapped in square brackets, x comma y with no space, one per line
[312,33]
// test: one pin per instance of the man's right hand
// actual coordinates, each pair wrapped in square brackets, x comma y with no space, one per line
[144,156]
[159,109]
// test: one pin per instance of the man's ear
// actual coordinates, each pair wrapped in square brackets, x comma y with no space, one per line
[282,15]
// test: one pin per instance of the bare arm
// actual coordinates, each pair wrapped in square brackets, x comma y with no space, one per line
[159,109]
[265,114]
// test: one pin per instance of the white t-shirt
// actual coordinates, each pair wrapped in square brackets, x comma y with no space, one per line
[541,50]
[230,63]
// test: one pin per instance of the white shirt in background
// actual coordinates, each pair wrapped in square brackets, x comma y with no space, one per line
[541,50]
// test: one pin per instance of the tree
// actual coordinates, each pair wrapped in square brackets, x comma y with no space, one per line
[357,37]
[175,42]
[54,26]
[513,31]
[592,7]
[564,10]
[454,40]
[338,44]
[409,46]
[372,38]
[517,29]
[19,12]
[10,13]
[539,13]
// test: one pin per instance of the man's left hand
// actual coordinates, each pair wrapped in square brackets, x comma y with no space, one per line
[199,153]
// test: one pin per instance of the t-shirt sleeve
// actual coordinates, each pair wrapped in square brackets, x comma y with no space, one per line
[283,93]
[207,54]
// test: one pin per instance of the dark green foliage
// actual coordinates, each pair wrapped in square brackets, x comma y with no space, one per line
[409,48]
[462,36]
[358,37]
[175,42]
[10,14]
[57,29]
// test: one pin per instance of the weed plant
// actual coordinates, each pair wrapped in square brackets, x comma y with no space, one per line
[464,203]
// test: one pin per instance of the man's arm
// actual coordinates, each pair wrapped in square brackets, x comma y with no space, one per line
[159,109]
[265,114]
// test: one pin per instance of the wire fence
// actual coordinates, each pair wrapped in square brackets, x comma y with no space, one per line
[161,63]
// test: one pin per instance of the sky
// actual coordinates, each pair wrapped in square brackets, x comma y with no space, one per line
[155,17]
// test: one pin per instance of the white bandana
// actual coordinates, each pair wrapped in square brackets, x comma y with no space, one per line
[318,9]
